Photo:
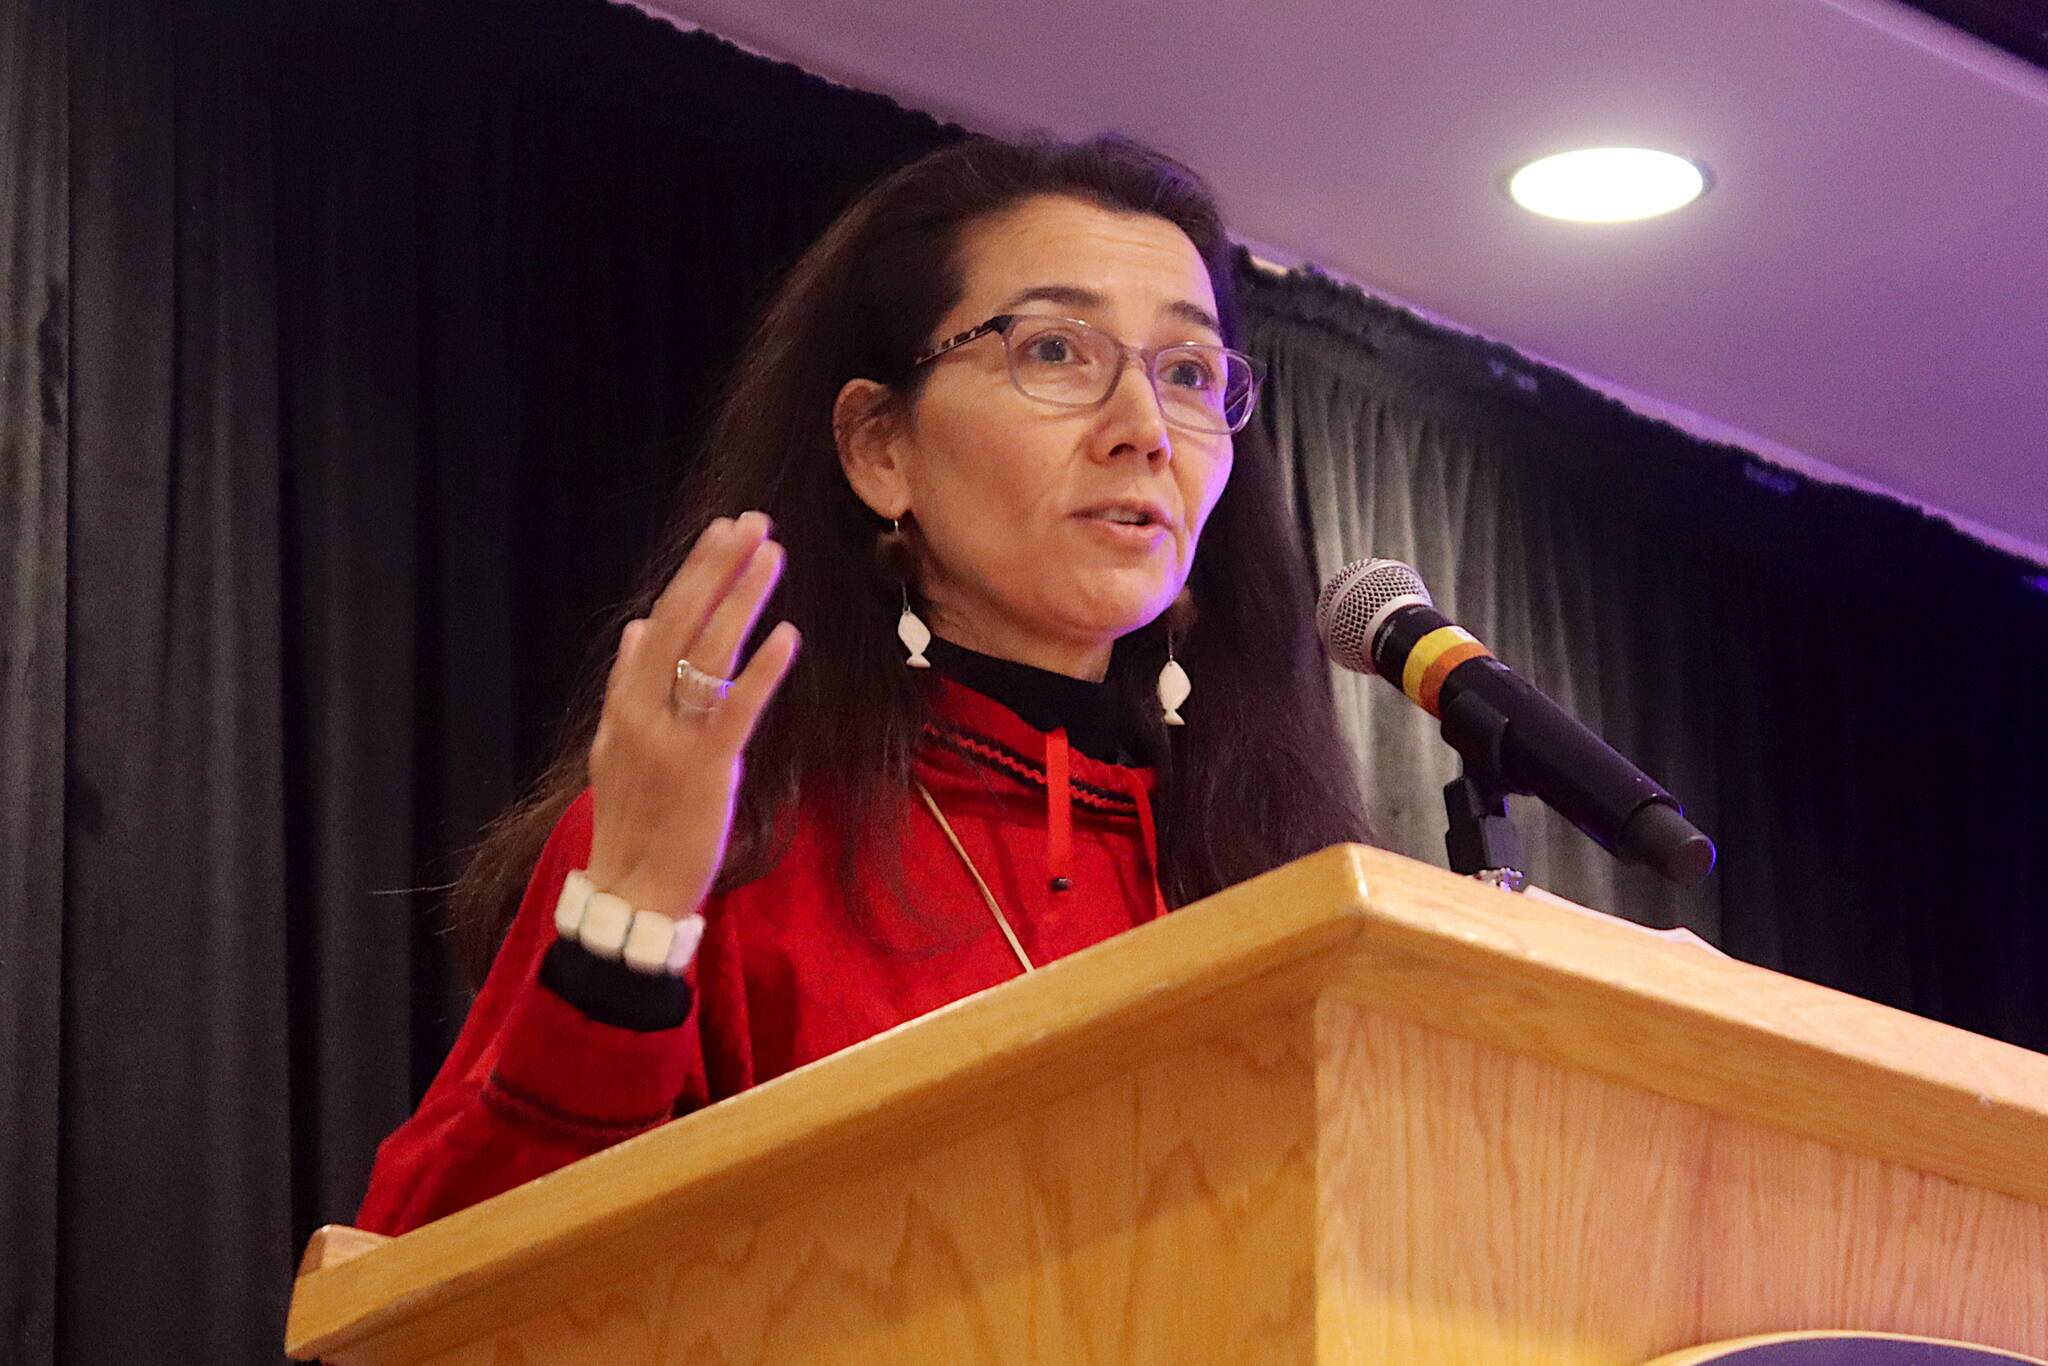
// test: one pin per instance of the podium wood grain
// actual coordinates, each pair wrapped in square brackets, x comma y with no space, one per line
[1480,1206]
[1070,1235]
[1357,1110]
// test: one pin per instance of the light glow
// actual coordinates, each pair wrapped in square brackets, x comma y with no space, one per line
[1607,184]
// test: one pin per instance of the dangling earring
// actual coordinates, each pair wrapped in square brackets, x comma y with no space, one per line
[1173,688]
[915,635]
[1174,685]
[897,566]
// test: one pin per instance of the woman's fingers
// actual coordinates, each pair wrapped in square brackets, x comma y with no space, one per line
[732,724]
[716,650]
[707,574]
[717,558]
[622,660]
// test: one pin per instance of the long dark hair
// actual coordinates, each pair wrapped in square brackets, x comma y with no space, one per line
[1259,775]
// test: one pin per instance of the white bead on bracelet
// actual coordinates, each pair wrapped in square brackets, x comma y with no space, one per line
[609,926]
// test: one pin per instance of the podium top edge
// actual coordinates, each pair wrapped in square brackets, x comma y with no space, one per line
[1352,925]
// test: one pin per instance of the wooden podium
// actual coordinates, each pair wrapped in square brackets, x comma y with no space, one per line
[1358,1110]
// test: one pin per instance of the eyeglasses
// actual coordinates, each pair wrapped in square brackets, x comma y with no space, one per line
[1200,388]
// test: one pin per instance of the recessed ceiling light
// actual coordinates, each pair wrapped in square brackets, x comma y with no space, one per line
[1607,184]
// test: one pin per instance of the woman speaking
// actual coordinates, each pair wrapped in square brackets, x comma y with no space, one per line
[1046,671]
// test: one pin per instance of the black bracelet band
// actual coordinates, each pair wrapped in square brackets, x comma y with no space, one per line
[611,993]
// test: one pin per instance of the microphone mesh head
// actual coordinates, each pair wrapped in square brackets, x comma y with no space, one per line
[1355,602]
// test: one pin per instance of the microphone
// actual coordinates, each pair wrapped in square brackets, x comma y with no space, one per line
[1375,617]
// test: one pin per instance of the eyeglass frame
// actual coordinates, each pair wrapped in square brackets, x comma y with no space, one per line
[1001,324]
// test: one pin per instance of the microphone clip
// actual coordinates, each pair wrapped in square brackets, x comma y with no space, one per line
[1481,839]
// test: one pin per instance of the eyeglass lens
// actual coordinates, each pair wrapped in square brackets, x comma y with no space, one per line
[1202,388]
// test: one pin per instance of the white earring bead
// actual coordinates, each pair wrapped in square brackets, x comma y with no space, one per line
[915,635]
[1174,688]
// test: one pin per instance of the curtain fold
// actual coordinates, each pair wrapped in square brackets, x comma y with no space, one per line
[35,343]
[352,355]
[173,1070]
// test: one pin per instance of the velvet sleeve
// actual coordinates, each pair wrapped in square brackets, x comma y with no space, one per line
[533,1082]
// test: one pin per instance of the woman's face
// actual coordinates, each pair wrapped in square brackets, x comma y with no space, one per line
[1017,500]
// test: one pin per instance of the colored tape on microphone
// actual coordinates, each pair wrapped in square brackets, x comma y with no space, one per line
[1432,660]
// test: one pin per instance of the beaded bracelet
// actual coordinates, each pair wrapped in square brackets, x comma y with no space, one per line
[609,927]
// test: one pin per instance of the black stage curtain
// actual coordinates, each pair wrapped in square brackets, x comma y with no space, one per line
[351,353]
[1845,691]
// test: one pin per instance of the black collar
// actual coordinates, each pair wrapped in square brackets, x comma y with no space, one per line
[1045,700]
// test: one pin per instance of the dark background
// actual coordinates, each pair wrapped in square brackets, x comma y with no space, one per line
[352,354]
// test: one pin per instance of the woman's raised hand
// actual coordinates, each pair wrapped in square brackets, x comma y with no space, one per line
[664,780]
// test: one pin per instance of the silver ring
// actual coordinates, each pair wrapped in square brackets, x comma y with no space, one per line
[695,692]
